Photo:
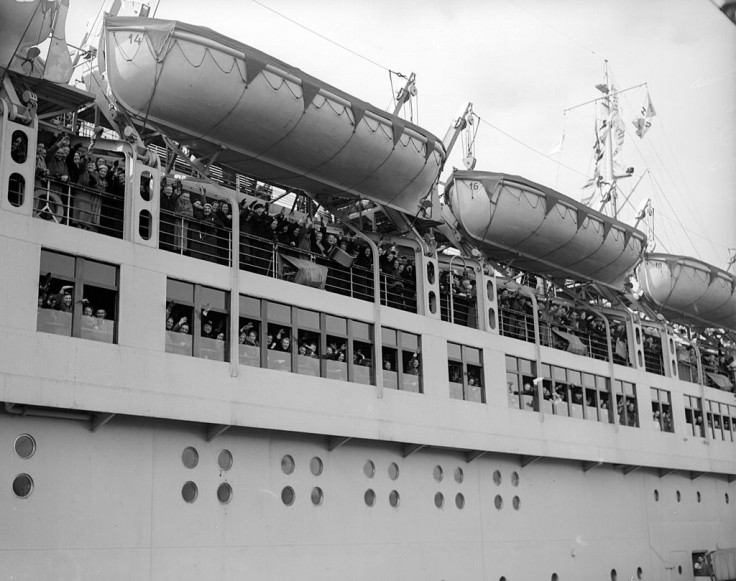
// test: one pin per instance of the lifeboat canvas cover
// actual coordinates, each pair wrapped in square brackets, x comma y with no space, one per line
[266,119]
[534,228]
[687,290]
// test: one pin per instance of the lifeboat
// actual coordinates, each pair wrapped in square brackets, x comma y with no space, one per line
[264,118]
[536,229]
[22,25]
[687,290]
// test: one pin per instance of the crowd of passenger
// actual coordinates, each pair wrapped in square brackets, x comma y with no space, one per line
[62,301]
[89,189]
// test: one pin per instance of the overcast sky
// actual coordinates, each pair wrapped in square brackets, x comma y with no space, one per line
[521,64]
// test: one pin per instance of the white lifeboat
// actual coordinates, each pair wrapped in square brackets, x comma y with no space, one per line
[263,117]
[23,24]
[534,228]
[688,290]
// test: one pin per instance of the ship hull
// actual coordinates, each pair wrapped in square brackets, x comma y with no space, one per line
[111,501]
[688,290]
[265,118]
[539,230]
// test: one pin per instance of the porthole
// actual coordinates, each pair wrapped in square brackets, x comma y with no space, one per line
[225,460]
[489,291]
[144,224]
[16,190]
[189,491]
[393,471]
[19,146]
[555,577]
[656,495]
[430,272]
[190,457]
[145,186]
[287,495]
[394,498]
[437,473]
[459,501]
[497,477]
[679,569]
[224,493]
[498,502]
[25,446]
[369,469]
[697,495]
[502,578]
[614,575]
[727,499]
[317,496]
[22,486]
[287,464]
[639,573]
[516,502]
[678,495]
[514,479]
[369,497]
[316,466]
[432,302]
[459,475]
[439,500]
[491,318]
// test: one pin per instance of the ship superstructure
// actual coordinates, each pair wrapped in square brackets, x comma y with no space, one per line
[234,361]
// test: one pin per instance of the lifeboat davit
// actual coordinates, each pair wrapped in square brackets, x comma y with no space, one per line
[536,229]
[265,118]
[22,25]
[687,290]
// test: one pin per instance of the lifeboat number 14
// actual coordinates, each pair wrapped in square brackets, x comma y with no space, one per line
[135,39]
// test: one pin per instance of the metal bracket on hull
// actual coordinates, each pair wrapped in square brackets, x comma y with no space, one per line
[665,472]
[337,441]
[409,449]
[628,469]
[590,465]
[695,475]
[526,460]
[474,455]
[214,430]
[99,420]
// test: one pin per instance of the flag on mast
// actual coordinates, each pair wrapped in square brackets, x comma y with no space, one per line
[644,122]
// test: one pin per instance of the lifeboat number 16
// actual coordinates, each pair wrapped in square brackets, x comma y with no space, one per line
[474,188]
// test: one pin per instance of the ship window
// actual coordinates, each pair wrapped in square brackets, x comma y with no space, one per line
[317,496]
[336,325]
[460,500]
[287,464]
[369,468]
[497,477]
[308,319]
[279,342]
[369,497]
[554,577]
[279,313]
[520,384]
[614,575]
[22,486]
[145,186]
[144,224]
[459,475]
[394,498]
[69,305]
[661,410]
[439,500]
[430,272]
[224,493]
[401,361]
[432,302]
[465,373]
[694,415]
[393,471]
[287,495]
[437,473]
[189,491]
[514,479]
[225,460]
[498,502]
[626,403]
[190,457]
[16,189]
[25,446]
[316,466]
[516,502]
[19,146]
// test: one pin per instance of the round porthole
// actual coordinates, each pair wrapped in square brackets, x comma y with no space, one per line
[225,460]
[497,477]
[316,466]
[393,471]
[287,464]
[394,498]
[189,491]
[25,446]
[369,469]
[459,501]
[639,573]
[459,475]
[614,575]
[498,502]
[287,495]
[437,473]
[224,493]
[190,457]
[514,479]
[369,497]
[22,485]
[317,496]
[439,500]
[516,502]
[555,577]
